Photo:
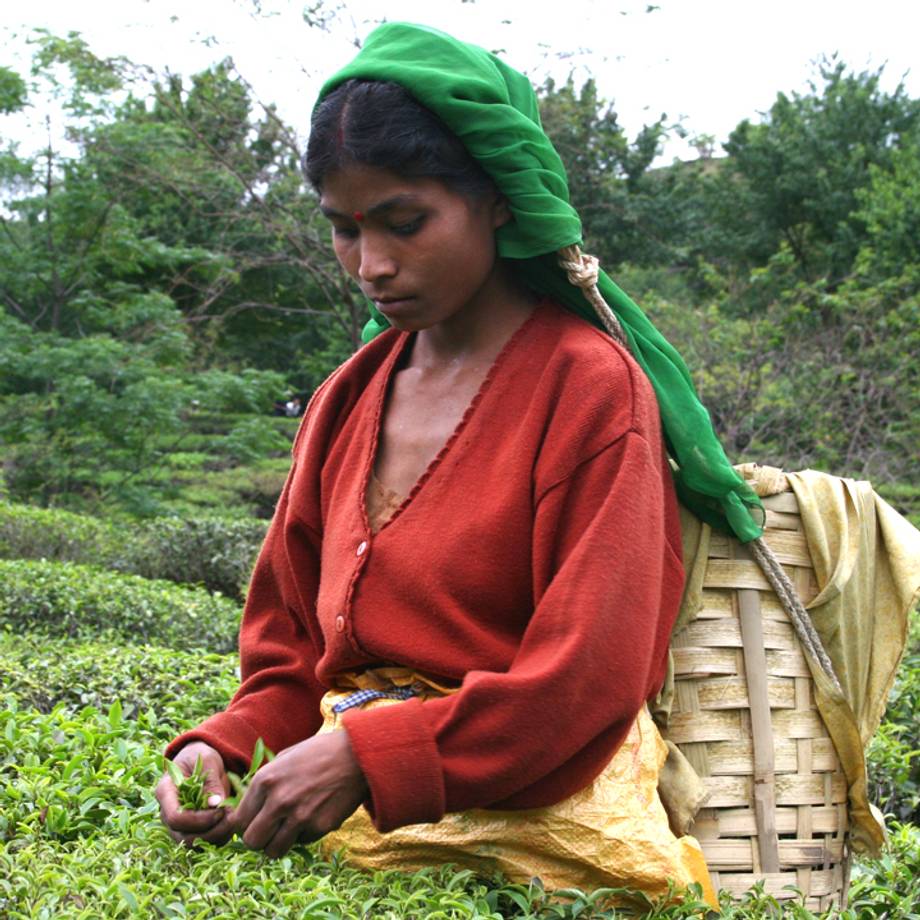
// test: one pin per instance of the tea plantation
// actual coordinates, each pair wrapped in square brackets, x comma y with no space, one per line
[107,651]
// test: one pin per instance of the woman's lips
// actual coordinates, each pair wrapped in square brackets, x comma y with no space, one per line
[392,304]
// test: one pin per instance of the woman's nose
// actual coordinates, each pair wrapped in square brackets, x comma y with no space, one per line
[376,260]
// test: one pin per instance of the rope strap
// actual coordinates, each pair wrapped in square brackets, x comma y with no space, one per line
[793,606]
[582,271]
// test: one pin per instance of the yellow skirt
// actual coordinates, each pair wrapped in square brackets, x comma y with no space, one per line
[612,833]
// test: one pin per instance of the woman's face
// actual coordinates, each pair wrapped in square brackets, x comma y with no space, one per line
[420,251]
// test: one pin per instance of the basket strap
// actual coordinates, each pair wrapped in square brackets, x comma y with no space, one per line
[793,606]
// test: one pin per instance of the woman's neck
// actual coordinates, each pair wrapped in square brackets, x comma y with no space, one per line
[479,332]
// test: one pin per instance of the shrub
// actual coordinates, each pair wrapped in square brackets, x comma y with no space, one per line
[889,886]
[253,437]
[894,752]
[80,837]
[58,599]
[249,391]
[75,405]
[179,686]
[67,774]
[28,532]
[254,489]
[217,553]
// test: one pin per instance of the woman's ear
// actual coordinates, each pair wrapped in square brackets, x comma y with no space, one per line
[501,212]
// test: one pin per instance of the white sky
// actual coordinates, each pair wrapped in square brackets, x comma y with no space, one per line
[709,63]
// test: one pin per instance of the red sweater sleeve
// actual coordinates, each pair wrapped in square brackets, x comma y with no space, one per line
[278,698]
[607,583]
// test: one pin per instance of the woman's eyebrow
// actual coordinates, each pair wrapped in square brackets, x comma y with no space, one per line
[388,205]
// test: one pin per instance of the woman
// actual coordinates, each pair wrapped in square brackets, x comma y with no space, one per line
[475,563]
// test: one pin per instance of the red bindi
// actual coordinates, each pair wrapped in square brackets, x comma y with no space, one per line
[358,216]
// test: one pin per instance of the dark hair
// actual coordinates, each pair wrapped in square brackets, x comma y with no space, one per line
[380,124]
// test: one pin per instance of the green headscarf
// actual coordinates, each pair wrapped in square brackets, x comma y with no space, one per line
[493,110]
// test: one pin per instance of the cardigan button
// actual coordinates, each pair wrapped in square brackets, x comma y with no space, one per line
[340,624]
[362,546]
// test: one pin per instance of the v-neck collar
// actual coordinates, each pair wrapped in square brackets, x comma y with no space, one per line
[383,387]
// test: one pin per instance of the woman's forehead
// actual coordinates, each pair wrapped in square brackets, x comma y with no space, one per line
[370,190]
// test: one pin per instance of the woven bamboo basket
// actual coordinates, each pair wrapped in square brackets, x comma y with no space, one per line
[744,715]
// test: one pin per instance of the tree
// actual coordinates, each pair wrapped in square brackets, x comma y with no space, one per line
[609,180]
[13,91]
[182,187]
[196,165]
[799,173]
[889,208]
[178,236]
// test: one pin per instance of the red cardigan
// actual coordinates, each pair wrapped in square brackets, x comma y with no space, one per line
[537,561]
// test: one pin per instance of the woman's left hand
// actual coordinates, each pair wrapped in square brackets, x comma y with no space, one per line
[308,790]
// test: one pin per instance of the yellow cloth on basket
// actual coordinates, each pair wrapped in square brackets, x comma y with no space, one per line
[612,833]
[866,558]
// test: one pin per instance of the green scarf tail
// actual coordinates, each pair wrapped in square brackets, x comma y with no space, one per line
[493,110]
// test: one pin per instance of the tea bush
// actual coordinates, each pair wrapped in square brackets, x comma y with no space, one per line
[100,669]
[28,532]
[215,552]
[80,836]
[889,886]
[62,599]
[894,752]
[250,490]
[180,685]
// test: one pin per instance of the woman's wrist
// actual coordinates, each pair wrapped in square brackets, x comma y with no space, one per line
[195,747]
[353,768]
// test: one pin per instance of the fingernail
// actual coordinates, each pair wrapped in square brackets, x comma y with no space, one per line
[214,800]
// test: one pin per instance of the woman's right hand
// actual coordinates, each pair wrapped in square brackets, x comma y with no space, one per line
[210,824]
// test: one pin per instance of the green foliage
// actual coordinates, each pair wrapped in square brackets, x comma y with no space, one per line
[72,407]
[889,206]
[242,491]
[334,347]
[28,532]
[201,169]
[787,268]
[175,261]
[192,793]
[851,350]
[91,78]
[608,174]
[13,91]
[217,553]
[239,784]
[67,775]
[80,836]
[61,599]
[799,172]
[94,418]
[250,391]
[889,886]
[904,497]
[182,686]
[894,751]
[250,439]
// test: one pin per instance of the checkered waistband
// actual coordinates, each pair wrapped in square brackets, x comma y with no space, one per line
[360,697]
